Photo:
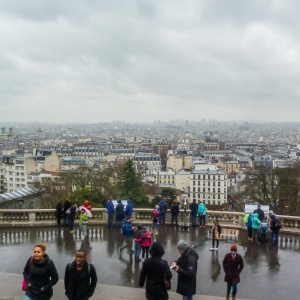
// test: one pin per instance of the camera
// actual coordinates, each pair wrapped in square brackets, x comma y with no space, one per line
[173,267]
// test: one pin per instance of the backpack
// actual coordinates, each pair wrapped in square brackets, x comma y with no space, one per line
[123,232]
[246,217]
[89,268]
[277,223]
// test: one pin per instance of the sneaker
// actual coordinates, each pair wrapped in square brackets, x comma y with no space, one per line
[212,249]
[216,249]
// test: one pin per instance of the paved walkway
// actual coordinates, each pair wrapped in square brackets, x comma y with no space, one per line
[10,289]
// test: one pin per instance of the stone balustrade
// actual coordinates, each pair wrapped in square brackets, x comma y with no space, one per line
[46,217]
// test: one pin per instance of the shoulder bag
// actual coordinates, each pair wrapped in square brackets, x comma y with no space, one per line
[24,284]
[166,281]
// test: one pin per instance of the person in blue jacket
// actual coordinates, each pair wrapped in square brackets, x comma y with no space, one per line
[110,212]
[249,226]
[163,209]
[127,231]
[129,209]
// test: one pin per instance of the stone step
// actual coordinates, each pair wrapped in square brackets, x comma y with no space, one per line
[10,289]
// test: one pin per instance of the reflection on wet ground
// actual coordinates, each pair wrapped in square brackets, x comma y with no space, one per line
[269,273]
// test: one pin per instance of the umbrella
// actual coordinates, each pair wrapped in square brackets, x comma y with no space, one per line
[88,212]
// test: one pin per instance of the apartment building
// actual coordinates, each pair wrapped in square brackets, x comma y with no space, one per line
[208,184]
[16,169]
[178,162]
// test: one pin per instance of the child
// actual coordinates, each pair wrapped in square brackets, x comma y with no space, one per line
[216,232]
[83,221]
[145,241]
[156,219]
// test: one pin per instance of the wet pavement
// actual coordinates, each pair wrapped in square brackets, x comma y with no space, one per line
[268,274]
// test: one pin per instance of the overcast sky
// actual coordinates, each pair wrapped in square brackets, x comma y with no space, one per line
[144,60]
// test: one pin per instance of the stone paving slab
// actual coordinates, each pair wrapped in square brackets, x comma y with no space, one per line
[10,289]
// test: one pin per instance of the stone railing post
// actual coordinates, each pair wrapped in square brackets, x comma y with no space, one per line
[32,217]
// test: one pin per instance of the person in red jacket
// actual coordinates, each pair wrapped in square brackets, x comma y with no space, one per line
[146,241]
[87,205]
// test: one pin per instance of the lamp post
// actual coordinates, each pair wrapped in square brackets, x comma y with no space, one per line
[20,202]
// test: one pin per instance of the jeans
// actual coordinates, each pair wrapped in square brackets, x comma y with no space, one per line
[66,220]
[274,238]
[202,220]
[119,223]
[137,251]
[249,232]
[26,298]
[213,242]
[187,297]
[110,220]
[162,218]
[174,219]
[82,228]
[71,221]
[255,233]
[234,288]
[194,218]
[145,250]
[127,243]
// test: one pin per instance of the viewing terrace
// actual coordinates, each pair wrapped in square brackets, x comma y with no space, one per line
[269,273]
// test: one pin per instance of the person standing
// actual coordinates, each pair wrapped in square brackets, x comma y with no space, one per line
[163,209]
[275,226]
[110,212]
[145,240]
[39,274]
[137,235]
[233,265]
[255,228]
[194,210]
[155,271]
[59,212]
[248,224]
[216,233]
[86,204]
[175,211]
[202,214]
[80,278]
[260,213]
[71,217]
[127,231]
[119,214]
[155,219]
[83,221]
[129,209]
[186,267]
[67,205]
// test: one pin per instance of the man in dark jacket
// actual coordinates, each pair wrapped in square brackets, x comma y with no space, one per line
[80,278]
[175,211]
[186,267]
[110,212]
[194,209]
[67,205]
[275,226]
[59,212]
[260,213]
[119,214]
[163,209]
[233,265]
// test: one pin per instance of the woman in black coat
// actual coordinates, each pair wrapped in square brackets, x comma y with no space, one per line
[155,270]
[40,274]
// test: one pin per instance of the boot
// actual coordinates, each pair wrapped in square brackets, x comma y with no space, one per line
[234,298]
[227,296]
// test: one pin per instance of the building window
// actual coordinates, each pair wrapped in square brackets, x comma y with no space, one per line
[214,202]
[194,182]
[208,202]
[219,202]
[194,195]
[199,182]
[203,176]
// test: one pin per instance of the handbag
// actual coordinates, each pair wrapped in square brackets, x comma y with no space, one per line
[166,281]
[24,284]
[217,236]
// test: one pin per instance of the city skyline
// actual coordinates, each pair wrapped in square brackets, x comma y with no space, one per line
[144,61]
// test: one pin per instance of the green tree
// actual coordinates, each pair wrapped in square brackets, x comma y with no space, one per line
[130,185]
